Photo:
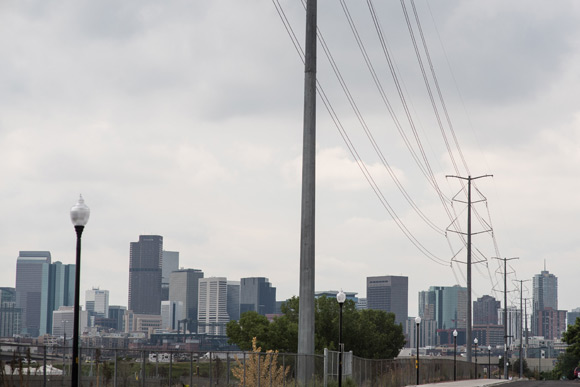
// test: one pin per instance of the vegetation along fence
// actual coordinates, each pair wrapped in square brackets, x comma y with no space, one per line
[41,366]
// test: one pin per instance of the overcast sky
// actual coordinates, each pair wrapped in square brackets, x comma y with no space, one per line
[184,119]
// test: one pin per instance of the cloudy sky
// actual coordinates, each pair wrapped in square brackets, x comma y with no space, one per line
[184,119]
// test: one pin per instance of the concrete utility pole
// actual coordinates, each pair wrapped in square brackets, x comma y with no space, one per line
[526,322]
[522,326]
[468,327]
[505,335]
[307,261]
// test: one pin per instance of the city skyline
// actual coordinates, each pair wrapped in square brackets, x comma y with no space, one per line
[186,121]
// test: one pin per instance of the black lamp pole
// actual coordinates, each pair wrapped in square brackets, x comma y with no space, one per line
[489,362]
[455,355]
[475,342]
[417,321]
[79,216]
[340,297]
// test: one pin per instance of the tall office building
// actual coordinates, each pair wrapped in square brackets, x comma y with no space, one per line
[514,322]
[234,300]
[10,315]
[32,288]
[545,296]
[171,312]
[445,304]
[485,311]
[391,294]
[63,321]
[257,294]
[572,315]
[212,315]
[145,275]
[61,288]
[117,313]
[169,264]
[552,323]
[184,286]
[97,302]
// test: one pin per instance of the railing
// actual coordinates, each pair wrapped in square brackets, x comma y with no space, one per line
[33,366]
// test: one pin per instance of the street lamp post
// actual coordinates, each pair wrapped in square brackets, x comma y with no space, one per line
[489,361]
[455,355]
[79,215]
[340,297]
[417,322]
[475,342]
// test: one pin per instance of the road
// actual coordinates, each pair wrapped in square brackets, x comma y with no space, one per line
[544,383]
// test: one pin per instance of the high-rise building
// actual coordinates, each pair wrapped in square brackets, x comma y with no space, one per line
[61,288]
[97,302]
[572,315]
[32,288]
[257,294]
[545,296]
[63,321]
[551,323]
[212,315]
[171,312]
[170,263]
[10,315]
[361,304]
[145,275]
[485,310]
[234,300]
[427,333]
[391,294]
[445,304]
[117,313]
[514,322]
[184,287]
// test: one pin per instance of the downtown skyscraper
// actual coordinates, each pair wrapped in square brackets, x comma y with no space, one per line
[389,293]
[257,294]
[145,269]
[547,320]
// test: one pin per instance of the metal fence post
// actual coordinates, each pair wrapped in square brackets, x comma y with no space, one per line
[259,373]
[190,369]
[325,375]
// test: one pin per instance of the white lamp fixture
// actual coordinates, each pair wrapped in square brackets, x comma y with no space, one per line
[79,213]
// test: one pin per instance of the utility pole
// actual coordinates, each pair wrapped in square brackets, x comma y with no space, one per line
[521,326]
[468,330]
[526,322]
[505,335]
[307,264]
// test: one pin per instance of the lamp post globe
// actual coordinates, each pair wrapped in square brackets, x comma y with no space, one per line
[340,298]
[455,354]
[79,215]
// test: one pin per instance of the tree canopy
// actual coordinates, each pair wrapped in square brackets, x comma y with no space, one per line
[368,333]
[571,358]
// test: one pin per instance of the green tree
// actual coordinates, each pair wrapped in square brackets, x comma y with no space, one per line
[571,358]
[250,325]
[368,333]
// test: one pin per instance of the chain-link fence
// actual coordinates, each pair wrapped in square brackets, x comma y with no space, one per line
[45,366]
